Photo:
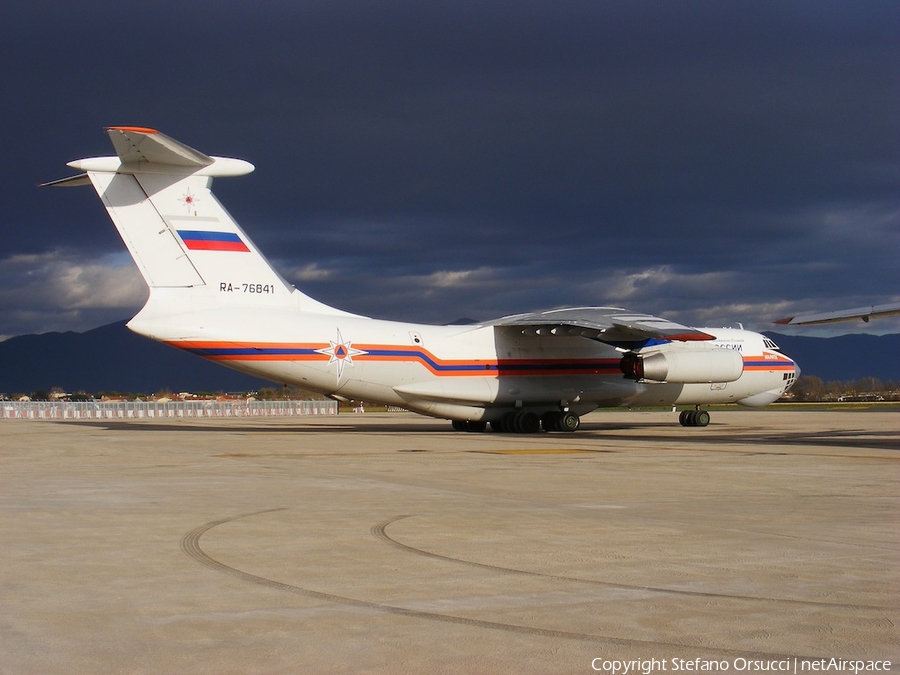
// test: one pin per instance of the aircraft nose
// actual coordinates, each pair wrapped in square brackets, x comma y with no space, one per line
[792,379]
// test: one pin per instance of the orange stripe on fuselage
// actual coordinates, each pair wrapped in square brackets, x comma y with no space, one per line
[286,352]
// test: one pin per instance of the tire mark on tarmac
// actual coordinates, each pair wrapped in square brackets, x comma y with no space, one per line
[190,545]
[379,532]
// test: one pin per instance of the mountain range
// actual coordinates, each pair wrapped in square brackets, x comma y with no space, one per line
[112,358]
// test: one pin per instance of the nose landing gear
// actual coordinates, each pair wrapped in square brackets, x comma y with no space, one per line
[694,418]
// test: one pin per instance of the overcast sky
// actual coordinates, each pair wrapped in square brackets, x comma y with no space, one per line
[711,162]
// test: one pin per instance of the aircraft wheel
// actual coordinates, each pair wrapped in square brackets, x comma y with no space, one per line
[694,418]
[527,423]
[475,426]
[508,423]
[459,425]
[569,422]
[550,421]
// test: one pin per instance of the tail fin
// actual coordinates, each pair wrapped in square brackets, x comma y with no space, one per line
[187,247]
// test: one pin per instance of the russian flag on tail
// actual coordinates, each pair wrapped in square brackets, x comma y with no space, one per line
[202,240]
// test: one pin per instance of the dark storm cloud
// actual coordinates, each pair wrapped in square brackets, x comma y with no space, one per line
[715,162]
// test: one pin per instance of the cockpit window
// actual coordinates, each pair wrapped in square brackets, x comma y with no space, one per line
[770,345]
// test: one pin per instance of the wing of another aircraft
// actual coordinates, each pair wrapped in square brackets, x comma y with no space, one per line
[864,313]
[606,324]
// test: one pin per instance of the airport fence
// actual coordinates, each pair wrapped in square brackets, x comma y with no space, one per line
[73,410]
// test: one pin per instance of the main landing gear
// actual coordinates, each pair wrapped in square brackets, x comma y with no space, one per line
[525,422]
[561,421]
[467,425]
[694,418]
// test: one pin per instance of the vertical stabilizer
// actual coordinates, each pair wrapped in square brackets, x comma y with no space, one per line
[151,241]
[190,251]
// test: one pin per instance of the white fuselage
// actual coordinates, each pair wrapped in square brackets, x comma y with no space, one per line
[474,372]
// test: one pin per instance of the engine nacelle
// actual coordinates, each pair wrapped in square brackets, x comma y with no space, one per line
[692,366]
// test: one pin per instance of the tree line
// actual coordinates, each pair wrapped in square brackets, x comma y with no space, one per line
[813,388]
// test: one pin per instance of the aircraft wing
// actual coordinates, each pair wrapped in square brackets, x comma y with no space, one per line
[864,313]
[606,324]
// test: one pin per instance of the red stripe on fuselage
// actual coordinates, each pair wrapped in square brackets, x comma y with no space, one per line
[287,352]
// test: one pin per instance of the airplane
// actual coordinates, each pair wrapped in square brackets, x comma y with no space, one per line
[213,294]
[864,313]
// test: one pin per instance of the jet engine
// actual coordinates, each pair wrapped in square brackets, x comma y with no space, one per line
[692,366]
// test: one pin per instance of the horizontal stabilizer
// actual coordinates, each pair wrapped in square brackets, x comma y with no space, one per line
[71,181]
[138,144]
[147,151]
